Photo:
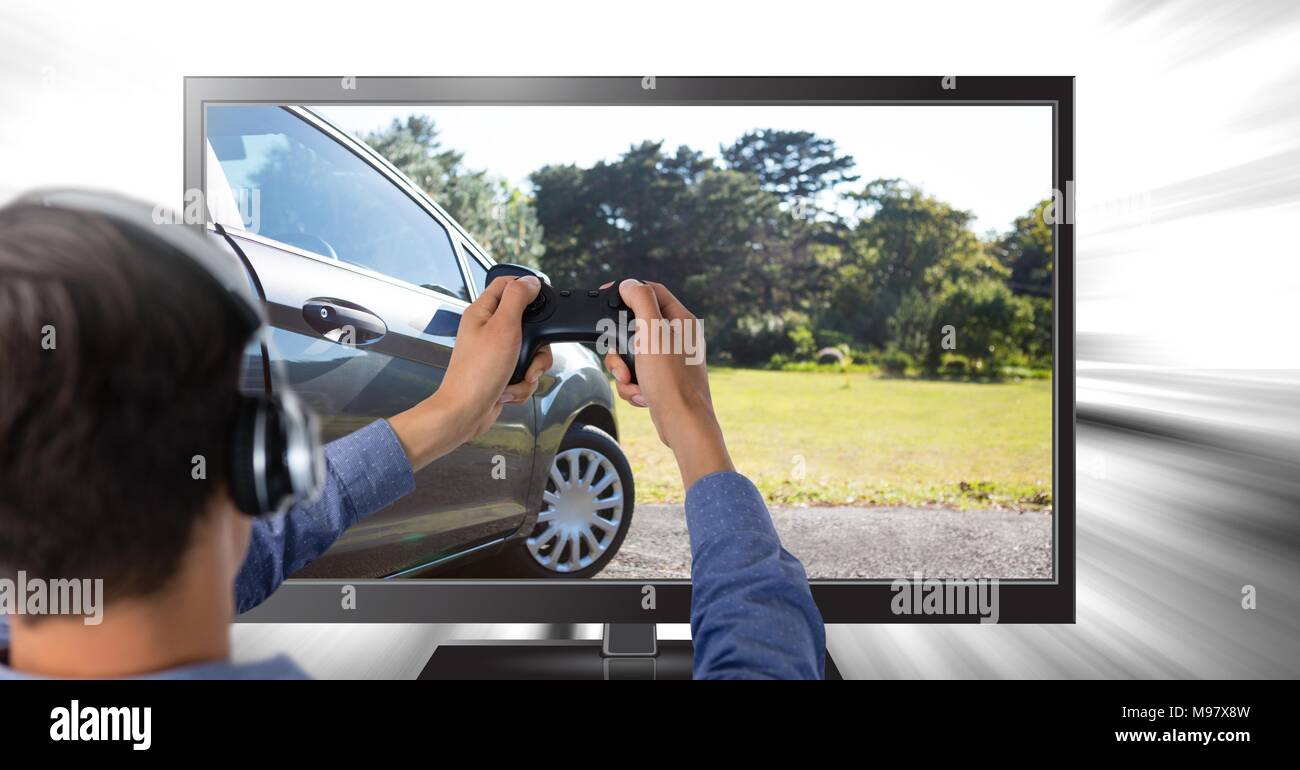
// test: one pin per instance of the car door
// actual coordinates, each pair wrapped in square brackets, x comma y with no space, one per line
[364,287]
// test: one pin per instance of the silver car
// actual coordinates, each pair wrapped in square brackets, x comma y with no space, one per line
[365,278]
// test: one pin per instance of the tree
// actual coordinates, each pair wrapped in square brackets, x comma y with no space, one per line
[989,321]
[796,165]
[1027,253]
[727,246]
[501,218]
[413,147]
[906,247]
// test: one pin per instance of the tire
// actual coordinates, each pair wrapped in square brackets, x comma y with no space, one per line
[569,509]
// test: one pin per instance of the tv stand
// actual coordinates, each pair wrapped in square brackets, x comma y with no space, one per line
[626,651]
[630,640]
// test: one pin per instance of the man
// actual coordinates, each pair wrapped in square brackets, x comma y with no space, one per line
[97,435]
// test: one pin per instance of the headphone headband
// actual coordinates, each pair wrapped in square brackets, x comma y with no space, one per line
[159,223]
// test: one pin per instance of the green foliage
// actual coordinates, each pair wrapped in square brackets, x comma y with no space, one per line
[1027,252]
[803,342]
[989,321]
[831,338]
[797,165]
[895,362]
[728,247]
[915,274]
[779,361]
[755,337]
[955,366]
[899,257]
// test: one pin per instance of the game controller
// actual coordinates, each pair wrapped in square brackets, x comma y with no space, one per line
[571,315]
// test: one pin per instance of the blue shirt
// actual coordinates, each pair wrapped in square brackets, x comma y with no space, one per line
[752,613]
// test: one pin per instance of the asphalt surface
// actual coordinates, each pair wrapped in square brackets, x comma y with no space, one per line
[849,542]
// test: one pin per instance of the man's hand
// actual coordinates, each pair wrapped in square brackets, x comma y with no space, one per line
[675,390]
[476,386]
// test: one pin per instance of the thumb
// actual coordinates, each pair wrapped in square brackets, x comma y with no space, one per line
[516,297]
[640,297]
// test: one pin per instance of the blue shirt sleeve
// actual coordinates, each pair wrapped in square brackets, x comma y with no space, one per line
[365,472]
[752,612]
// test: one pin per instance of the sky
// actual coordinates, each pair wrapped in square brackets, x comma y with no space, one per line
[994,161]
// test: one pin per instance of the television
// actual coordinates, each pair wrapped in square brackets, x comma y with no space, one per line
[884,267]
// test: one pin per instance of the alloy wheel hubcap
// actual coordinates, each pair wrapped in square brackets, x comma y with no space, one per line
[581,513]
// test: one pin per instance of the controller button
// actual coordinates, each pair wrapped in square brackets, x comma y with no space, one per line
[593,293]
[565,292]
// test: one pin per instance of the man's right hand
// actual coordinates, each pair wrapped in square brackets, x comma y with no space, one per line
[674,389]
[476,386]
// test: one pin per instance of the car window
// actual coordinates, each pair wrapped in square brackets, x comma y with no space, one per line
[313,193]
[477,273]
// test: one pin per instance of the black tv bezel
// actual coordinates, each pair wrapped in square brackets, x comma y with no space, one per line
[621,601]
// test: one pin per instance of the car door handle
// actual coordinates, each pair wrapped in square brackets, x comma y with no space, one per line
[343,322]
[445,323]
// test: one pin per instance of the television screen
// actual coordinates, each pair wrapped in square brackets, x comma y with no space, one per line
[875,284]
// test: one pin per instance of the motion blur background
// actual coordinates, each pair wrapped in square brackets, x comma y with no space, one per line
[1188,190]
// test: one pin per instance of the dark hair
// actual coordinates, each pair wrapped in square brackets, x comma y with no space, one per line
[99,432]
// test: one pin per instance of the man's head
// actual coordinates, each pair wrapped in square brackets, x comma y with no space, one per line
[119,362]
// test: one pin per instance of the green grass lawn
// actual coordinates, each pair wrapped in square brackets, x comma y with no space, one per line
[826,438]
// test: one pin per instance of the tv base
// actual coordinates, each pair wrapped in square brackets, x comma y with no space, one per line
[623,653]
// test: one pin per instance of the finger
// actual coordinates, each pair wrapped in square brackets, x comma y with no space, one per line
[617,367]
[515,297]
[524,389]
[518,393]
[622,378]
[640,297]
[487,302]
[631,394]
[542,361]
[670,306]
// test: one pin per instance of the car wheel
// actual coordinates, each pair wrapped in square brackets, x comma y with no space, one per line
[586,509]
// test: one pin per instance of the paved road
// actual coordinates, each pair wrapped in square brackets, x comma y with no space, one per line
[847,542]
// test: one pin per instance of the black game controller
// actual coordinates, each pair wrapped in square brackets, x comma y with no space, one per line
[571,315]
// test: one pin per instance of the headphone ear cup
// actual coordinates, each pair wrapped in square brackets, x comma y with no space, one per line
[302,466]
[243,479]
[270,443]
[275,454]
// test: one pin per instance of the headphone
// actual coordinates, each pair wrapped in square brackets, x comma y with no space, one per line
[276,459]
